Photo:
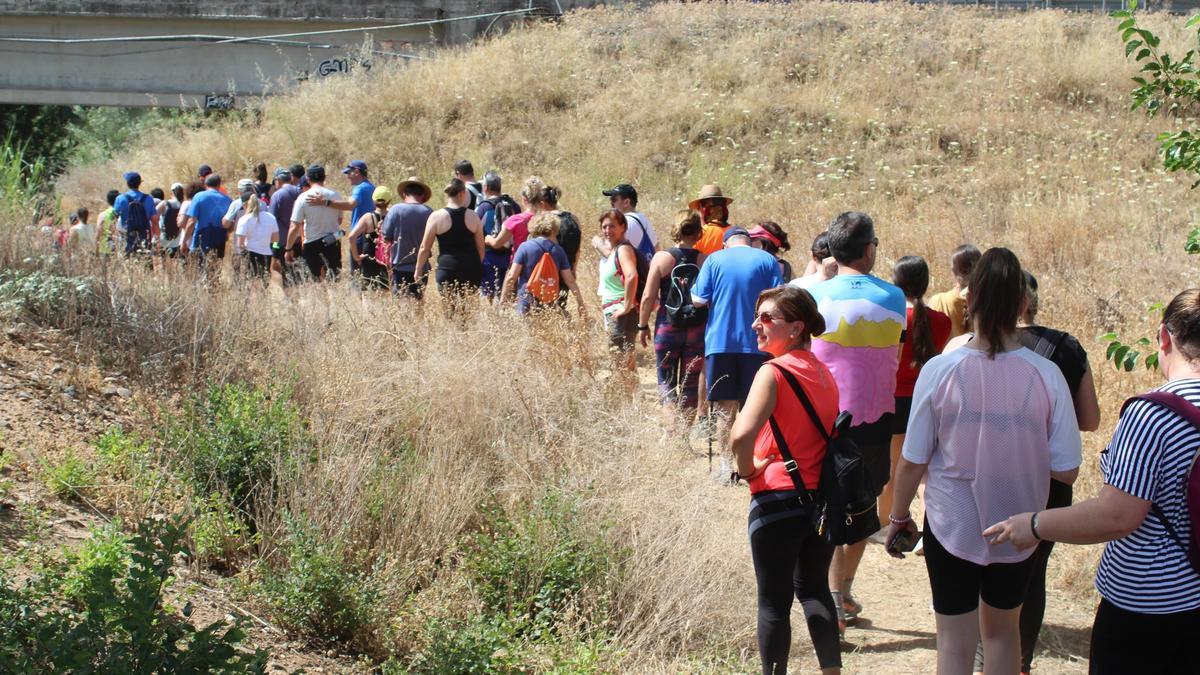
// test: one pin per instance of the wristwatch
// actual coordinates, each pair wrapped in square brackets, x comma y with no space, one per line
[643,327]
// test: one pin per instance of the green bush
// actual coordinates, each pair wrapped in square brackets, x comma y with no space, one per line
[320,594]
[219,533]
[227,439]
[477,645]
[533,565]
[71,478]
[113,621]
[40,295]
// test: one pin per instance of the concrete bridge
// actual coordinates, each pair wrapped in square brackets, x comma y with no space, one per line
[218,54]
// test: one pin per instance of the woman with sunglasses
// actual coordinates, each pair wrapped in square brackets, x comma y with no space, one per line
[369,226]
[789,556]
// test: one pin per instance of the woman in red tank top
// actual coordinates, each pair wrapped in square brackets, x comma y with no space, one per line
[789,556]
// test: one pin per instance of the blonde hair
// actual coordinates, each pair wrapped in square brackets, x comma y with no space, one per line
[532,191]
[687,224]
[544,225]
[253,206]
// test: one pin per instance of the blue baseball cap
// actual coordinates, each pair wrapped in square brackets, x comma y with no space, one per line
[735,232]
[133,178]
[355,164]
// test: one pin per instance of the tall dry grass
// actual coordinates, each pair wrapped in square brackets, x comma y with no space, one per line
[946,124]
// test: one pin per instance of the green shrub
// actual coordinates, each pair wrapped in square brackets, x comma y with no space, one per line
[40,295]
[533,565]
[71,478]
[114,622]
[227,439]
[477,645]
[321,594]
[219,533]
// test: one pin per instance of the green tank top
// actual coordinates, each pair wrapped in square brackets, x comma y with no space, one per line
[612,288]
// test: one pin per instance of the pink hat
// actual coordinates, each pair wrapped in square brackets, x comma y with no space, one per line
[759,232]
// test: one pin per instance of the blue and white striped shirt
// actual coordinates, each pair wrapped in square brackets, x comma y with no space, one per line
[1149,457]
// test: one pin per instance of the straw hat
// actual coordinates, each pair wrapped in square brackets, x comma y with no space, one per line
[708,192]
[426,193]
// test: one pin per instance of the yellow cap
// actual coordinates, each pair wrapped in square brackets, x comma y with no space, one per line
[382,194]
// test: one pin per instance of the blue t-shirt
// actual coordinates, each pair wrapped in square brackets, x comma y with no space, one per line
[364,203]
[121,206]
[208,208]
[730,281]
[527,256]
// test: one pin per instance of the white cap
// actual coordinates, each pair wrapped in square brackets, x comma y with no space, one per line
[245,184]
[176,185]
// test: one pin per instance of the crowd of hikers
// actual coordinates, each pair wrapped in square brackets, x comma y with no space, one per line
[840,398]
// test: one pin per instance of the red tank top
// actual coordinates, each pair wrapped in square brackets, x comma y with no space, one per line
[805,442]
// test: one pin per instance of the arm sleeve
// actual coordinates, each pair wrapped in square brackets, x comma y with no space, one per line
[560,258]
[703,287]
[1066,446]
[298,210]
[240,230]
[1135,450]
[921,439]
[190,212]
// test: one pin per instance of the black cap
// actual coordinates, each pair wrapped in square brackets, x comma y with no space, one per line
[622,190]
[204,170]
[316,173]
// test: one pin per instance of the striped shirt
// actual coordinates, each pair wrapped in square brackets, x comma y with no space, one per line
[1149,456]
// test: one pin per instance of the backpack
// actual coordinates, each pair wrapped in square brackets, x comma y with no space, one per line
[504,208]
[570,236]
[383,247]
[643,270]
[645,247]
[678,303]
[476,190]
[136,219]
[1191,483]
[170,220]
[543,279]
[846,502]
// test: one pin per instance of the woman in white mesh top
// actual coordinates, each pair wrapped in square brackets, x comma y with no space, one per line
[991,422]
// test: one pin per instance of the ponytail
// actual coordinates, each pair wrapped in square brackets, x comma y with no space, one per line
[923,348]
[911,275]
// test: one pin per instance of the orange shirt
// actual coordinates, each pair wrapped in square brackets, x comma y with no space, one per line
[804,441]
[712,238]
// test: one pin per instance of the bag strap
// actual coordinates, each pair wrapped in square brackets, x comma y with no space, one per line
[804,400]
[1183,408]
[789,462]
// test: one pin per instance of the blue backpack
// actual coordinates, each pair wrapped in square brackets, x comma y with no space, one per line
[645,247]
[135,217]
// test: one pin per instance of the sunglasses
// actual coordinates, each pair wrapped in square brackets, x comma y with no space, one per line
[767,318]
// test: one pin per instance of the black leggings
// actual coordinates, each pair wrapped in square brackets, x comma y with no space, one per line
[790,558]
[1033,610]
[1147,644]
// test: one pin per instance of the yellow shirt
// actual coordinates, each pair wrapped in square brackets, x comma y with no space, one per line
[953,304]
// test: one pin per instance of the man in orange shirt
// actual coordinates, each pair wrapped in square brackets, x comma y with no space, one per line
[714,209]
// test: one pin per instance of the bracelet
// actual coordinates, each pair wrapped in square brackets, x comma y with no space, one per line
[643,327]
[1033,526]
[900,521]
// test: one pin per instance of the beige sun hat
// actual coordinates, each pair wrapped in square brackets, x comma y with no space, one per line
[708,192]
[426,193]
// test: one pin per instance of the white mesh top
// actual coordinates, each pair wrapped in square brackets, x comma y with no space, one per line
[991,431]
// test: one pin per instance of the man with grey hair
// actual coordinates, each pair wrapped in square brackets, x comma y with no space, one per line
[493,210]
[864,319]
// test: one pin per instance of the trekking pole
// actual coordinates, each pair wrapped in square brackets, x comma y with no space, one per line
[710,426]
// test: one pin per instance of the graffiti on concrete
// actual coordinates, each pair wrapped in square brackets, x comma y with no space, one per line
[218,102]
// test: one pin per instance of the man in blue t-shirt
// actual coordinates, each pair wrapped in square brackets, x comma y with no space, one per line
[204,231]
[729,283]
[360,202]
[137,237]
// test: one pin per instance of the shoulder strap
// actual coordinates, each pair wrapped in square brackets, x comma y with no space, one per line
[1183,408]
[804,400]
[789,462]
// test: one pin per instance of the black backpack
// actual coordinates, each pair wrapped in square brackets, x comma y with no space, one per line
[846,510]
[570,236]
[643,269]
[504,208]
[170,220]
[136,218]
[678,302]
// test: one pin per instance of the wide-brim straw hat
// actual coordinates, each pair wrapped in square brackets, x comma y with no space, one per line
[426,193]
[708,192]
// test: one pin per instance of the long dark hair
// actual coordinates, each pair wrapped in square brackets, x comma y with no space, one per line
[911,274]
[996,290]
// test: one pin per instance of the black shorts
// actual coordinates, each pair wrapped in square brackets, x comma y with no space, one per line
[729,376]
[319,255]
[1127,642]
[900,417]
[406,284]
[874,442]
[959,584]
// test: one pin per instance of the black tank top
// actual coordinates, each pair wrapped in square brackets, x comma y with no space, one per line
[682,256]
[456,246]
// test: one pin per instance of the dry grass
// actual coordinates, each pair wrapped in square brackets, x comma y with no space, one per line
[946,124]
